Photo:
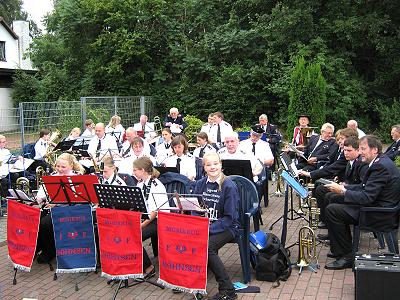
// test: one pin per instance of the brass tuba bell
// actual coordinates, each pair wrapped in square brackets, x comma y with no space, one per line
[22,184]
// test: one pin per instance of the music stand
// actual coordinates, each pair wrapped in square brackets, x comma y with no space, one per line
[164,170]
[293,184]
[81,144]
[64,145]
[237,167]
[76,189]
[123,198]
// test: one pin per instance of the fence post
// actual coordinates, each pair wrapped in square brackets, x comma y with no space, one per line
[21,124]
[83,111]
[115,105]
[142,105]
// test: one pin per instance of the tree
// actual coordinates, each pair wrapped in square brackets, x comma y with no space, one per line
[307,94]
[11,10]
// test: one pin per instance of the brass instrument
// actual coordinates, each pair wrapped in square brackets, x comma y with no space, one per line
[307,250]
[314,213]
[96,167]
[276,177]
[307,132]
[157,125]
[40,172]
[50,156]
[22,184]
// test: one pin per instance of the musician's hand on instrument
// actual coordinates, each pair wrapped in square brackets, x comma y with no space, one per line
[168,124]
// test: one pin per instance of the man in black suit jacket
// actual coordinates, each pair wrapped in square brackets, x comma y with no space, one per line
[319,148]
[380,187]
[394,149]
[353,172]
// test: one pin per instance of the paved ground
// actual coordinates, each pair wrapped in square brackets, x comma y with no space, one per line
[324,284]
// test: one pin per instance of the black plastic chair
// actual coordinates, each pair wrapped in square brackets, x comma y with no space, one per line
[383,221]
[248,208]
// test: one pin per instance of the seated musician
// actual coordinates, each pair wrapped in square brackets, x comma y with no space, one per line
[181,159]
[338,166]
[147,128]
[110,173]
[380,187]
[89,129]
[137,150]
[207,126]
[164,149]
[354,125]
[271,132]
[204,145]
[393,150]
[175,121]
[221,196]
[101,143]
[66,165]
[298,138]
[155,197]
[232,151]
[130,135]
[115,129]
[319,148]
[74,134]
[41,148]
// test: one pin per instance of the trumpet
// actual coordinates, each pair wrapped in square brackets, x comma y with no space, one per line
[307,250]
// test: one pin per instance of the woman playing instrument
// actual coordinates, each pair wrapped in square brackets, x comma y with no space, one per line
[221,197]
[164,149]
[66,165]
[115,127]
[155,197]
[110,173]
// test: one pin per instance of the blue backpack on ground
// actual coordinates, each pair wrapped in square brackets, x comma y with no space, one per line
[269,258]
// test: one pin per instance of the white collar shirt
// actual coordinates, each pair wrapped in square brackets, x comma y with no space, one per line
[262,149]
[40,149]
[157,197]
[187,165]
[107,143]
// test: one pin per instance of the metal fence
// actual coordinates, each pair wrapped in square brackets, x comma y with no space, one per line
[22,125]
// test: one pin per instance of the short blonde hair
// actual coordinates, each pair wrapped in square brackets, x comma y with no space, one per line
[72,161]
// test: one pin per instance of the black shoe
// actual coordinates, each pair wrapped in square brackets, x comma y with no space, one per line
[224,295]
[331,255]
[322,225]
[340,264]
[323,237]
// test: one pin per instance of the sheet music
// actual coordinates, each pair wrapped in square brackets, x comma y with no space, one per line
[18,194]
[189,203]
[21,165]
[297,151]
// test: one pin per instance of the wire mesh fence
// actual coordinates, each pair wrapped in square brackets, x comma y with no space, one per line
[22,125]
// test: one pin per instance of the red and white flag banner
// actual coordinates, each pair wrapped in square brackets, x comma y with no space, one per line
[183,251]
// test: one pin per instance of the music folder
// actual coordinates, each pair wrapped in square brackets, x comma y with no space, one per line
[240,167]
[163,170]
[300,190]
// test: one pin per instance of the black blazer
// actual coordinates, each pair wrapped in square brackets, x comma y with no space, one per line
[337,168]
[325,150]
[379,187]
[355,174]
[393,150]
[272,134]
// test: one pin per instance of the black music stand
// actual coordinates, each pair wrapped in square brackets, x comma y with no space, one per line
[240,167]
[81,144]
[64,145]
[292,184]
[123,198]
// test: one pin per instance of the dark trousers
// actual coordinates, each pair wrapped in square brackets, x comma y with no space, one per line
[324,198]
[338,221]
[46,241]
[217,241]
[147,232]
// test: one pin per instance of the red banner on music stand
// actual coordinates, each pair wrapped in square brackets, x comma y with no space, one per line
[183,252]
[121,247]
[22,232]
[71,189]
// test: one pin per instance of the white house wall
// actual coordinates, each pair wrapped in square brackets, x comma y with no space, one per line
[12,59]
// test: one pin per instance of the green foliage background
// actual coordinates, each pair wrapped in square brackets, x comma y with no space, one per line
[235,56]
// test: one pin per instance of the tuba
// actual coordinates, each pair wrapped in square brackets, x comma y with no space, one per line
[157,125]
[307,250]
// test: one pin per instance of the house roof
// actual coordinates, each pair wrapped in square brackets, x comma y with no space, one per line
[8,28]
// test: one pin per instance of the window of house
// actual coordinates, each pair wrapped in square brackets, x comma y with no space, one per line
[2,51]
